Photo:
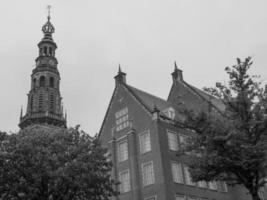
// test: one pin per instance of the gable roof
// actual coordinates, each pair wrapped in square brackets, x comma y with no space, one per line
[209,98]
[149,100]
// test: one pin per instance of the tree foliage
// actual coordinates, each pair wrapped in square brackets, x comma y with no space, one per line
[56,164]
[231,145]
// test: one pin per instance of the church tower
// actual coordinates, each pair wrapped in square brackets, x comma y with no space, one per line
[44,100]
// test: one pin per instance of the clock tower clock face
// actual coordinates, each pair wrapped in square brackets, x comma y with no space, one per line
[51,62]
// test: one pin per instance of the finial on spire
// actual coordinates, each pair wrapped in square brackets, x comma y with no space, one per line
[49,10]
[48,28]
[119,68]
[177,74]
[175,66]
[120,77]
[21,111]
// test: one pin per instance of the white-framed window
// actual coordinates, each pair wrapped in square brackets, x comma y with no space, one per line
[182,139]
[180,197]
[212,185]
[177,172]
[148,173]
[170,112]
[172,140]
[202,184]
[187,175]
[122,150]
[151,198]
[122,119]
[221,186]
[144,141]
[124,178]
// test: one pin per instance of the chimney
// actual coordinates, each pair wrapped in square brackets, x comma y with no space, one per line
[177,74]
[120,78]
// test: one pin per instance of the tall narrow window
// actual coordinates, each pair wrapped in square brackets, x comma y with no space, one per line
[42,81]
[188,179]
[145,144]
[172,141]
[50,51]
[45,50]
[51,103]
[183,139]
[122,151]
[31,103]
[177,172]
[51,82]
[125,184]
[148,173]
[34,83]
[41,100]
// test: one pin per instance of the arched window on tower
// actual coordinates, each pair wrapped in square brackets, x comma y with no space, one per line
[50,51]
[42,81]
[45,50]
[51,82]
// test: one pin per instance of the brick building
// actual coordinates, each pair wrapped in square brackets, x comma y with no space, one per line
[143,137]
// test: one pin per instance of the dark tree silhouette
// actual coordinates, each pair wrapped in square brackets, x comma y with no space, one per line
[231,145]
[53,164]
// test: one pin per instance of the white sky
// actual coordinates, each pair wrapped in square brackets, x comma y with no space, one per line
[144,36]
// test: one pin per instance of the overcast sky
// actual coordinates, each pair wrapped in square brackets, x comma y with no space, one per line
[144,36]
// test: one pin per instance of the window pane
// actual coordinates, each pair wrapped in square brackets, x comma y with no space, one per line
[172,141]
[122,151]
[145,144]
[187,175]
[182,139]
[124,178]
[212,185]
[148,173]
[221,186]
[177,172]
[202,184]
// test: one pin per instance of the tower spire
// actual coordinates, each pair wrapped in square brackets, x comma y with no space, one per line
[120,78]
[44,98]
[177,74]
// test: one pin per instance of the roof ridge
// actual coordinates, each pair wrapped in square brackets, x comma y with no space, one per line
[136,96]
[195,90]
[147,93]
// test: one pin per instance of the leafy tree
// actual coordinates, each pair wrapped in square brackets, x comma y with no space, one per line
[53,164]
[231,144]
